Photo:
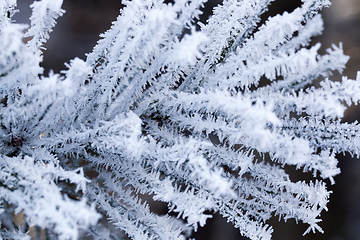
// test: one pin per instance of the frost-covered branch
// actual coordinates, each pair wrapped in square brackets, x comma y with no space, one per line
[202,120]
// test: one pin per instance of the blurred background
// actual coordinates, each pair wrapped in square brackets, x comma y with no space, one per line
[78,31]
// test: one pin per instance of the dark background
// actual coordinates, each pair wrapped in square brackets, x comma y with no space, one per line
[78,30]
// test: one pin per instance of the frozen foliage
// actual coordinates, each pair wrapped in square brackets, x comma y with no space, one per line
[141,113]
